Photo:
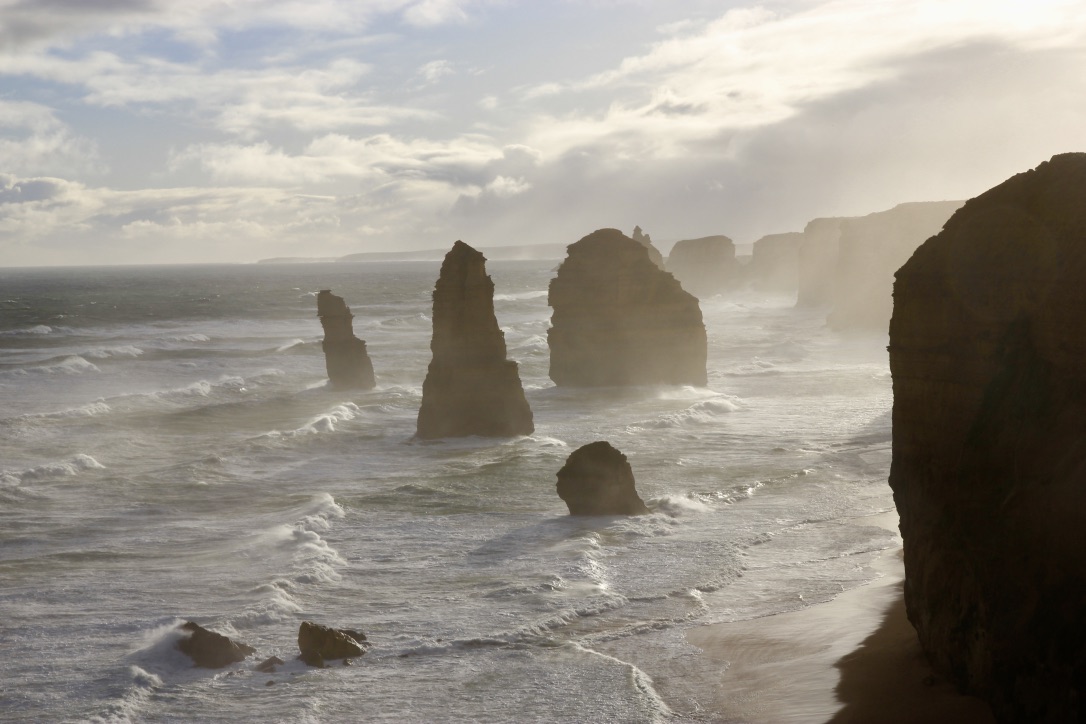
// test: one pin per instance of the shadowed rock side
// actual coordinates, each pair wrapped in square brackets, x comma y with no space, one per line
[774,263]
[345,355]
[210,650]
[619,320]
[872,247]
[704,266]
[987,344]
[646,241]
[597,480]
[470,387]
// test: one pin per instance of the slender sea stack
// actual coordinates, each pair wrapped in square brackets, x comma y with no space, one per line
[470,387]
[646,241]
[345,356]
[704,266]
[619,320]
[597,480]
[987,350]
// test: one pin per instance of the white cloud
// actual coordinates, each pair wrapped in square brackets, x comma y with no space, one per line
[33,140]
[435,70]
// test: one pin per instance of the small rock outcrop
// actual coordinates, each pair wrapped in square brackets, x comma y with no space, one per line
[319,643]
[704,266]
[987,343]
[646,241]
[619,320]
[210,650]
[598,480]
[470,387]
[345,356]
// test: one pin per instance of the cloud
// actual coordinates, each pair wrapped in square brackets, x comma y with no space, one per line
[33,140]
[435,70]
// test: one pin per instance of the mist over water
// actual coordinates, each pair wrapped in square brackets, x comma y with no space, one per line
[169,451]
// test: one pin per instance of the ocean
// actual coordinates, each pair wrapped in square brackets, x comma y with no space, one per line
[170,451]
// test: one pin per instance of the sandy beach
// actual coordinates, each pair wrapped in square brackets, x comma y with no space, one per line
[855,658]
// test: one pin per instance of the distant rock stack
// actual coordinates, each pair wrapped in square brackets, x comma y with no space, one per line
[704,266]
[598,480]
[646,241]
[774,263]
[345,356]
[470,388]
[987,350]
[818,253]
[619,320]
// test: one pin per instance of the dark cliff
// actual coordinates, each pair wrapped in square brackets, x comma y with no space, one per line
[619,320]
[704,266]
[987,344]
[345,355]
[470,387]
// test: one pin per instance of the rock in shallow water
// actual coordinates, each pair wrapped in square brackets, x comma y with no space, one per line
[598,480]
[620,320]
[987,350]
[210,650]
[319,643]
[470,387]
[345,356]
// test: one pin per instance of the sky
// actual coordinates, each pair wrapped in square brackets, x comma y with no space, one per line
[193,131]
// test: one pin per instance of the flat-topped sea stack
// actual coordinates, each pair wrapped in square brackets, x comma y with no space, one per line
[620,320]
[646,241]
[872,247]
[470,387]
[345,356]
[598,480]
[704,266]
[818,254]
[774,263]
[988,355]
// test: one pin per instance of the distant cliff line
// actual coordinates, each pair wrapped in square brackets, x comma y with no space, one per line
[542,252]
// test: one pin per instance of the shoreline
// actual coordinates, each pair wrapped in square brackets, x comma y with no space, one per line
[852,659]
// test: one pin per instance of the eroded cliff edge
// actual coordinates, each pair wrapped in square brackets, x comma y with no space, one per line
[987,350]
[470,387]
[620,320]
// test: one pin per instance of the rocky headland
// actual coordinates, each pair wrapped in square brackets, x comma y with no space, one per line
[470,387]
[345,356]
[987,344]
[620,320]
[704,266]
[598,480]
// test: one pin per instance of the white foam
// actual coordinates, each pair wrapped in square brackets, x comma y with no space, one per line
[703,412]
[76,465]
[91,409]
[519,296]
[125,351]
[189,338]
[678,505]
[291,344]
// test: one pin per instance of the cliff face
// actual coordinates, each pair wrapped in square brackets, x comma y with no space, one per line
[646,241]
[872,247]
[774,262]
[818,262]
[470,387]
[704,266]
[619,320]
[987,344]
[345,355]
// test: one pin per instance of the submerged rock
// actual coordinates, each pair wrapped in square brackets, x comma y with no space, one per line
[319,643]
[646,241]
[704,266]
[269,665]
[470,387]
[345,356]
[987,344]
[210,650]
[619,320]
[598,480]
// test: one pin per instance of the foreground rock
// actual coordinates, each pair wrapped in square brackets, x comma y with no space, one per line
[210,650]
[470,387]
[319,644]
[704,266]
[597,480]
[345,356]
[619,320]
[987,344]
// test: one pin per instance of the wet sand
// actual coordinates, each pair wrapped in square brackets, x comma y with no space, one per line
[853,659]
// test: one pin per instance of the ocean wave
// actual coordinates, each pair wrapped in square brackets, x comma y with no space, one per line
[678,505]
[122,352]
[703,412]
[92,409]
[39,329]
[290,345]
[535,343]
[71,365]
[142,685]
[74,466]
[324,422]
[190,338]
[520,296]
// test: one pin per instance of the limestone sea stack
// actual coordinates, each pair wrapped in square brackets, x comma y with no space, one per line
[704,266]
[470,387]
[345,355]
[598,480]
[774,263]
[646,241]
[620,320]
[987,350]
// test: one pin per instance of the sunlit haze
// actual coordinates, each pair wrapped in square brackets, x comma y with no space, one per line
[155,131]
